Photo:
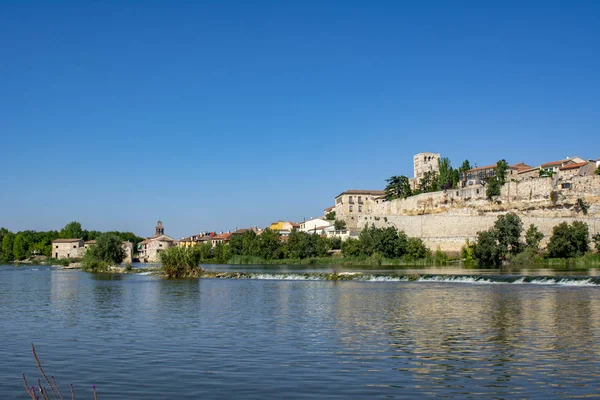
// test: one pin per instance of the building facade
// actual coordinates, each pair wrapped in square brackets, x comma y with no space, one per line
[68,248]
[425,162]
[149,249]
[315,225]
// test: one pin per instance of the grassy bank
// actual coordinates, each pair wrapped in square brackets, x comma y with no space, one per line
[373,261]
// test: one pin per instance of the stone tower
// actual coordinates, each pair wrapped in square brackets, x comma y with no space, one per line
[425,162]
[159,230]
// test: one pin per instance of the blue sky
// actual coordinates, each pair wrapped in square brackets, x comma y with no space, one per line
[213,115]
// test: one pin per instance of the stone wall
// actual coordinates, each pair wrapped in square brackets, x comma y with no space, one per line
[446,219]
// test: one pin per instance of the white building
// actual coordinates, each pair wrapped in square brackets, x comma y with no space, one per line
[315,225]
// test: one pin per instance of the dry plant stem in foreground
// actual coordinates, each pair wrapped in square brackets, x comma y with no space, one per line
[42,392]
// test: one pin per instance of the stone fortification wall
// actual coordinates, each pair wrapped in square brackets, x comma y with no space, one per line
[446,219]
[449,232]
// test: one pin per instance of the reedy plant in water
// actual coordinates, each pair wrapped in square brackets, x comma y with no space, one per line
[41,392]
[181,262]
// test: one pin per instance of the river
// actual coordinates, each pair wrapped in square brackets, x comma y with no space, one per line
[280,335]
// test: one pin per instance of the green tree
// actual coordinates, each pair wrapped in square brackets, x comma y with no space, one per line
[19,247]
[429,182]
[493,188]
[269,244]
[416,249]
[598,170]
[387,242]
[596,240]
[465,166]
[501,171]
[533,237]
[7,247]
[339,225]
[71,231]
[455,178]
[486,250]
[580,235]
[398,187]
[445,174]
[508,229]
[569,241]
[108,248]
[221,253]
[335,243]
[351,248]
[330,216]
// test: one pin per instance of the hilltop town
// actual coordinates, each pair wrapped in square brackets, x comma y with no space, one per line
[557,191]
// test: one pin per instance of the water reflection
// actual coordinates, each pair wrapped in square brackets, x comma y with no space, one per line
[290,339]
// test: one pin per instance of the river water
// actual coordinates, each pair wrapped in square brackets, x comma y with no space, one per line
[281,335]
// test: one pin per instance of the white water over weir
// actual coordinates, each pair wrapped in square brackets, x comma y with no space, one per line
[462,279]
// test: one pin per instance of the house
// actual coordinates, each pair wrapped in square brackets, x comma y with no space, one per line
[202,237]
[283,227]
[515,169]
[343,234]
[223,237]
[571,170]
[353,201]
[530,173]
[553,167]
[315,225]
[149,249]
[481,175]
[68,248]
[328,210]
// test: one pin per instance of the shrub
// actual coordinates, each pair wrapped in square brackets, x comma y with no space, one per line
[91,263]
[508,230]
[351,248]
[415,248]
[596,240]
[568,241]
[339,225]
[336,243]
[533,237]
[180,262]
[440,258]
[466,252]
[487,251]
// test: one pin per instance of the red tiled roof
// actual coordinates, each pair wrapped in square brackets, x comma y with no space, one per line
[524,171]
[367,192]
[573,166]
[554,163]
[66,240]
[223,236]
[521,166]
[329,208]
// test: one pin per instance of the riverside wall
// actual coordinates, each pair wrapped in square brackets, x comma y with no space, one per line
[447,219]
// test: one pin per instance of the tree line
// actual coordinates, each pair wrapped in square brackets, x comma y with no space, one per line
[25,244]
[504,242]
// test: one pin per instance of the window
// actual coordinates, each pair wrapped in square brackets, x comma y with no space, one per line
[359,208]
[350,209]
[566,185]
[74,247]
[57,247]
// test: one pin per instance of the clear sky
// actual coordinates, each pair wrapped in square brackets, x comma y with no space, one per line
[212,115]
